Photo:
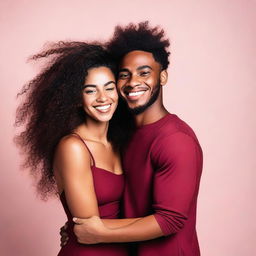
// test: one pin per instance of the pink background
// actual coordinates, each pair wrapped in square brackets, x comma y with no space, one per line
[211,86]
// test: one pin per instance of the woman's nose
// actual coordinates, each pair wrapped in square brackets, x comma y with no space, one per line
[102,97]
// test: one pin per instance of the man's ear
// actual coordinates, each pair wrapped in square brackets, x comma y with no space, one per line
[163,77]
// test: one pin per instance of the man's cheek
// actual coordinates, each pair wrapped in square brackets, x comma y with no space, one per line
[118,87]
[120,91]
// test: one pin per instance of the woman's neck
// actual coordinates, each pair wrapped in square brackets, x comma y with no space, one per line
[93,130]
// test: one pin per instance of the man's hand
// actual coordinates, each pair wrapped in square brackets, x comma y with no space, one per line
[89,231]
[64,235]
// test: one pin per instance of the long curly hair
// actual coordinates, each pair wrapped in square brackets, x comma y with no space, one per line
[140,37]
[51,107]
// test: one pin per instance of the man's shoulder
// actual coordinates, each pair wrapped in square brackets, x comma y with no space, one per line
[174,125]
[174,138]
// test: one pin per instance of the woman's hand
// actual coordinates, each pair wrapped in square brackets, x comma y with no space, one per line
[64,235]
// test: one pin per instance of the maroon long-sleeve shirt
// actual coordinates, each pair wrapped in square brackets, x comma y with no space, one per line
[163,165]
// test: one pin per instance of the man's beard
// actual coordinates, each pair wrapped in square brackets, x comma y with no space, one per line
[140,109]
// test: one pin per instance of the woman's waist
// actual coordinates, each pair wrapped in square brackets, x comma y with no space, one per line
[110,210]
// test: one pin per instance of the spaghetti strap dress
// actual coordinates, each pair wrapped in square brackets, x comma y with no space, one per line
[109,190]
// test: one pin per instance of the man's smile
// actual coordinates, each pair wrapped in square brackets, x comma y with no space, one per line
[133,94]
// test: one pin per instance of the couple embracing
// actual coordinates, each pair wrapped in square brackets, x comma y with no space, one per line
[126,170]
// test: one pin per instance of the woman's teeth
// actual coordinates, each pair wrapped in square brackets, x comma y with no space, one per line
[103,107]
[136,93]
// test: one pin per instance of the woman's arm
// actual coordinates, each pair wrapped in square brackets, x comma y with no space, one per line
[72,164]
[72,161]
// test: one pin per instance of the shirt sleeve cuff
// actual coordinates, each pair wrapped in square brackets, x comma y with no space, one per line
[167,225]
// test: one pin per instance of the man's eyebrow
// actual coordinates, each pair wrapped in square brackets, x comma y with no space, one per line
[139,68]
[124,70]
[94,86]
[144,66]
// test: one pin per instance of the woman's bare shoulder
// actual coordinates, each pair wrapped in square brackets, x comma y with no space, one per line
[72,147]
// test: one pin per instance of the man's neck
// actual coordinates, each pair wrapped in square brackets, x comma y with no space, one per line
[151,115]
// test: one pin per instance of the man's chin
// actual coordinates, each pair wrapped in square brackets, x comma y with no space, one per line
[138,110]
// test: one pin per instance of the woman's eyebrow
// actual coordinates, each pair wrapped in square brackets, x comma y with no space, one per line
[110,82]
[94,86]
[88,85]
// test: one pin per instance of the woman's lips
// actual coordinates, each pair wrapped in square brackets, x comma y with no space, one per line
[103,108]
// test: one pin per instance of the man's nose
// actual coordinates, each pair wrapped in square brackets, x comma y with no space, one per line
[133,81]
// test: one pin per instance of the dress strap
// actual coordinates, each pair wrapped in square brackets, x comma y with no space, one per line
[79,137]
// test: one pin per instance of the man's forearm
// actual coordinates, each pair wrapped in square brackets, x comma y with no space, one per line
[118,223]
[140,230]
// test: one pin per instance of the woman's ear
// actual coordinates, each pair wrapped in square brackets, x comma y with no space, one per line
[163,77]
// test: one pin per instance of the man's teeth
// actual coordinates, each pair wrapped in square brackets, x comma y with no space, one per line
[103,107]
[136,93]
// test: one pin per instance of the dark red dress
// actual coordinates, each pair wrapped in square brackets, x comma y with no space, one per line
[109,189]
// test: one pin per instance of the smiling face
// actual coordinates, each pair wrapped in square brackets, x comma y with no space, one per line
[100,96]
[139,80]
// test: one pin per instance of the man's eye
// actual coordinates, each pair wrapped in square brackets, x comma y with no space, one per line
[144,73]
[123,76]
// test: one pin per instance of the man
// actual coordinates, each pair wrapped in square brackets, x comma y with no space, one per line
[163,161]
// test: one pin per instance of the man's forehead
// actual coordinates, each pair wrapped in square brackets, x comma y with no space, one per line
[137,58]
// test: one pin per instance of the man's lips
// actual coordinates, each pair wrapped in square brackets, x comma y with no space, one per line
[134,95]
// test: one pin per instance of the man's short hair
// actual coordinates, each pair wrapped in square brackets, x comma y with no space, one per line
[140,37]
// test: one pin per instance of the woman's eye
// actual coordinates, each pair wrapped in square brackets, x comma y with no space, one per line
[89,91]
[110,89]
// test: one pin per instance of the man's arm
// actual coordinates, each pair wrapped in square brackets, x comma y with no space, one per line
[118,223]
[94,230]
[143,229]
[110,224]
[175,185]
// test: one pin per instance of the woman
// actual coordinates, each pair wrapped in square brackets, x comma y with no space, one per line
[73,136]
